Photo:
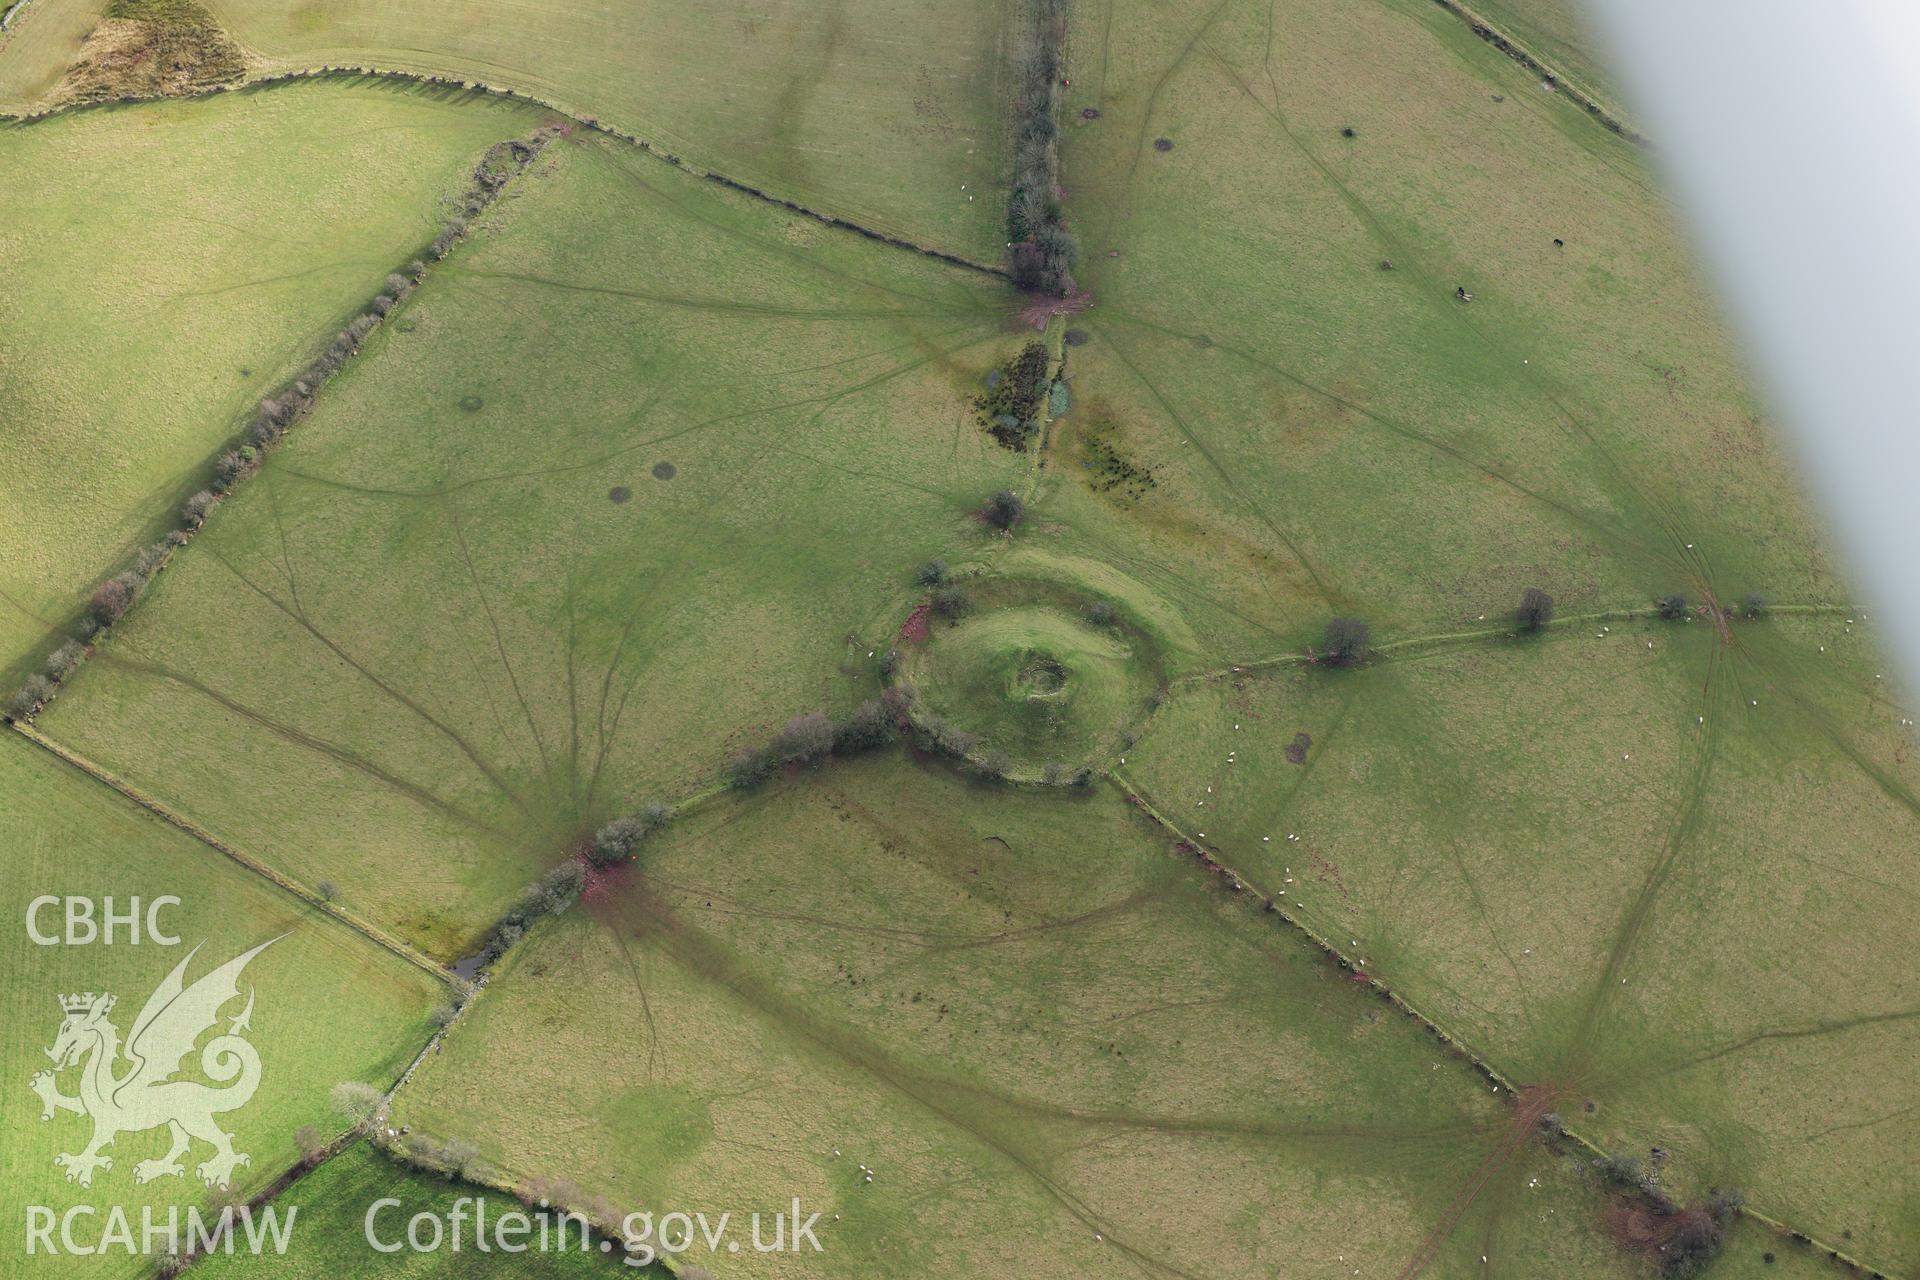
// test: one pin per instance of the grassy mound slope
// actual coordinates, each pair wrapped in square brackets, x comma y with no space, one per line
[1033,675]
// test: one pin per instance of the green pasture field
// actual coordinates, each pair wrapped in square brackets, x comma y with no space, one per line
[165,266]
[330,1004]
[1328,435]
[1634,867]
[38,47]
[459,619]
[647,466]
[1053,1044]
[329,1235]
[891,114]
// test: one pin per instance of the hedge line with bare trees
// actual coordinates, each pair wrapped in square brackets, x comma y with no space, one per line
[814,736]
[1041,251]
[270,421]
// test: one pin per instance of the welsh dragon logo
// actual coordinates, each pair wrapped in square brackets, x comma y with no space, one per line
[144,1095]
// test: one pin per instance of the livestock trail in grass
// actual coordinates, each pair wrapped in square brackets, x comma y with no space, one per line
[62,833]
[649,465]
[533,591]
[175,262]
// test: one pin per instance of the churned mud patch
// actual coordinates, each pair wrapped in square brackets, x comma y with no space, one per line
[1163,144]
[1297,749]
[151,48]
[1097,449]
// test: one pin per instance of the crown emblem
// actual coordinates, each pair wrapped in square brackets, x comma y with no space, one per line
[80,1002]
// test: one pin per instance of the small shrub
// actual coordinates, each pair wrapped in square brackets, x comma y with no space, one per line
[806,738]
[552,893]
[1005,509]
[360,1103]
[328,890]
[423,1152]
[1692,1247]
[933,572]
[1724,1203]
[28,698]
[1673,608]
[380,305]
[615,842]
[444,1015]
[889,664]
[1623,1171]
[1100,614]
[952,603]
[311,1145]
[397,284]
[110,600]
[1755,605]
[1536,609]
[462,1158]
[995,763]
[227,469]
[1346,642]
[870,727]
[62,661]
[195,512]
[501,941]
[750,768]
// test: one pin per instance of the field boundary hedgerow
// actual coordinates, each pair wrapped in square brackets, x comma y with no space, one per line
[173,818]
[341,1142]
[483,89]
[1557,80]
[1510,1092]
[272,418]
[1040,249]
[1392,648]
